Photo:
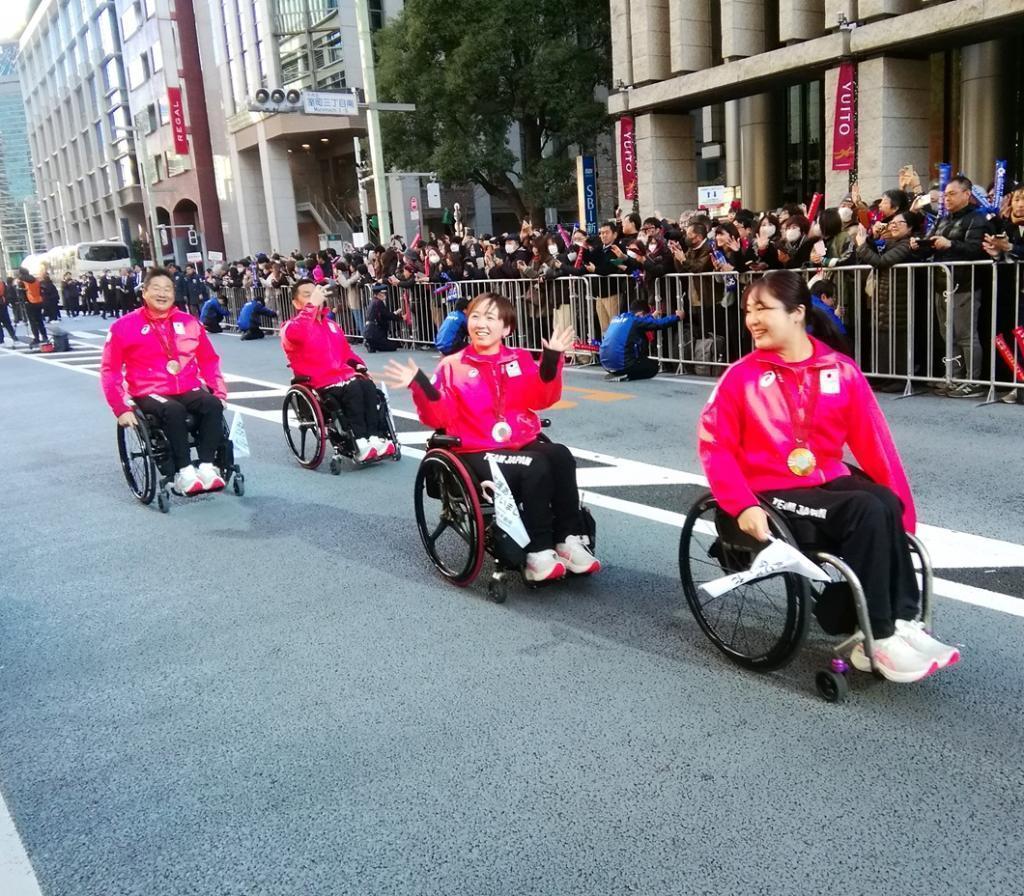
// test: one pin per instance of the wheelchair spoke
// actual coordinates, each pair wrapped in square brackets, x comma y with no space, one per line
[438,532]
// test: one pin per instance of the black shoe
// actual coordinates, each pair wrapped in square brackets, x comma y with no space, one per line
[967,390]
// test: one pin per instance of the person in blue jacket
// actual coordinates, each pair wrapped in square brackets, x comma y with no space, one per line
[625,346]
[211,314]
[250,316]
[453,335]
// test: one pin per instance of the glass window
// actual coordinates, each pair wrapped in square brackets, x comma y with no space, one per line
[107,41]
[138,72]
[158,57]
[112,75]
[150,118]
[150,8]
[165,110]
[102,252]
[125,172]
[131,21]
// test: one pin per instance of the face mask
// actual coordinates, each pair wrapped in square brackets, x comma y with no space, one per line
[572,256]
[456,248]
[434,259]
[552,250]
[652,246]
[631,254]
[793,234]
[846,214]
[768,231]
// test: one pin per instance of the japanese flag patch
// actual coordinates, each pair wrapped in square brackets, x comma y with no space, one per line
[830,381]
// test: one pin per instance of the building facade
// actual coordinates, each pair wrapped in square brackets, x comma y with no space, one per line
[21,227]
[743,94]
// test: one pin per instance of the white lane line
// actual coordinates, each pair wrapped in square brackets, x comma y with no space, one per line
[957,550]
[17,878]
[257,393]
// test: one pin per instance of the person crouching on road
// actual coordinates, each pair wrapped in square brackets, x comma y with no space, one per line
[487,395]
[317,348]
[159,358]
[626,343]
[251,318]
[775,429]
[212,314]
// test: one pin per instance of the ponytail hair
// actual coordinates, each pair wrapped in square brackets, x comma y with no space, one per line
[791,289]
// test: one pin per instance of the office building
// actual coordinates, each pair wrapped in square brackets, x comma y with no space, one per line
[744,94]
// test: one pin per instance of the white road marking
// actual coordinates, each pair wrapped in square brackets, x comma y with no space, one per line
[957,550]
[17,878]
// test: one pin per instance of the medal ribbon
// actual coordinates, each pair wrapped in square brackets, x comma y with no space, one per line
[170,346]
[801,415]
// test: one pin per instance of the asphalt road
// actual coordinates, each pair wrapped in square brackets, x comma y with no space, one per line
[276,694]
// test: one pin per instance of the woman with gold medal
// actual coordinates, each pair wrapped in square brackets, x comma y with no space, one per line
[776,427]
[158,359]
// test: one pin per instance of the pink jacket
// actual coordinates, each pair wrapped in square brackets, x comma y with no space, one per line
[475,391]
[135,357]
[317,348]
[746,433]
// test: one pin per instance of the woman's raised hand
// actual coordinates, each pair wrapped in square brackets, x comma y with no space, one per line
[398,375]
[562,339]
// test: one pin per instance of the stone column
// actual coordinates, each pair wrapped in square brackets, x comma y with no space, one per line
[742,28]
[622,43]
[892,121]
[254,231]
[689,26]
[280,196]
[666,168]
[877,9]
[648,26]
[758,179]
[835,8]
[983,113]
[801,19]
[732,143]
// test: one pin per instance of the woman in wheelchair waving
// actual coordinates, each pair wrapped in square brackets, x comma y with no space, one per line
[318,349]
[487,396]
[775,428]
[161,357]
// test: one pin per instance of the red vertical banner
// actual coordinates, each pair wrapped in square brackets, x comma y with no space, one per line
[627,157]
[844,126]
[177,120]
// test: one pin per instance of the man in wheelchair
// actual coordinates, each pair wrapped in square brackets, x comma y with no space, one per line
[486,396]
[159,358]
[776,426]
[318,349]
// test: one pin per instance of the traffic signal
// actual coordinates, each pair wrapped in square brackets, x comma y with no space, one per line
[276,99]
[193,238]
[364,171]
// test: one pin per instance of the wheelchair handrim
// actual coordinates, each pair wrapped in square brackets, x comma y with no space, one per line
[306,437]
[137,461]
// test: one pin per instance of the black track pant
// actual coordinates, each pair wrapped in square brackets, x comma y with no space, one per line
[358,402]
[35,321]
[641,369]
[170,411]
[5,323]
[862,523]
[542,476]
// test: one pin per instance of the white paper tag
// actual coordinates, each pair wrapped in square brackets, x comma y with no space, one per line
[512,369]
[830,381]
[179,328]
[237,435]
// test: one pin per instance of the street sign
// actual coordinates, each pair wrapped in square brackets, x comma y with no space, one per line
[194,257]
[414,209]
[320,103]
[710,197]
[586,184]
[433,195]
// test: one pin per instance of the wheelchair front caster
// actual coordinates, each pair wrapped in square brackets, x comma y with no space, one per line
[335,466]
[163,501]
[832,686]
[497,590]
[238,484]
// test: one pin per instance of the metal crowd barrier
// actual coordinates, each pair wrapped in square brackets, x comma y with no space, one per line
[914,326]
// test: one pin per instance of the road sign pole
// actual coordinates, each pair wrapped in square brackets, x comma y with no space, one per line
[380,184]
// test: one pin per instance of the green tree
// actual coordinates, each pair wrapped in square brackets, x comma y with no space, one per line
[474,69]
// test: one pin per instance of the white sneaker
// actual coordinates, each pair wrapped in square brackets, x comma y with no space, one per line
[365,451]
[210,476]
[895,660]
[914,633]
[576,555]
[543,566]
[187,481]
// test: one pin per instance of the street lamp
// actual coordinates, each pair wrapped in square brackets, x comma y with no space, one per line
[156,244]
[380,184]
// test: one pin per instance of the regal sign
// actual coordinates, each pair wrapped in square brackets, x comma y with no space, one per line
[844,131]
[627,158]
[177,120]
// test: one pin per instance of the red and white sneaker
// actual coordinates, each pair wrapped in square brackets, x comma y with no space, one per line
[543,566]
[895,659]
[210,476]
[915,634]
[384,447]
[187,481]
[365,451]
[575,553]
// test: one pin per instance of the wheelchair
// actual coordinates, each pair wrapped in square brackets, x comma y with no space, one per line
[149,468]
[762,624]
[312,418]
[457,523]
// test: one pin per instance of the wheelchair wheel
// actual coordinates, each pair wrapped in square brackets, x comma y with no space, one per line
[759,625]
[304,427]
[136,452]
[449,517]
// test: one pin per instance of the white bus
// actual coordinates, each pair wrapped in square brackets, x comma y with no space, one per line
[80,258]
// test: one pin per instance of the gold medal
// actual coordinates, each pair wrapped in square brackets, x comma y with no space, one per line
[501,431]
[801,462]
[173,367]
